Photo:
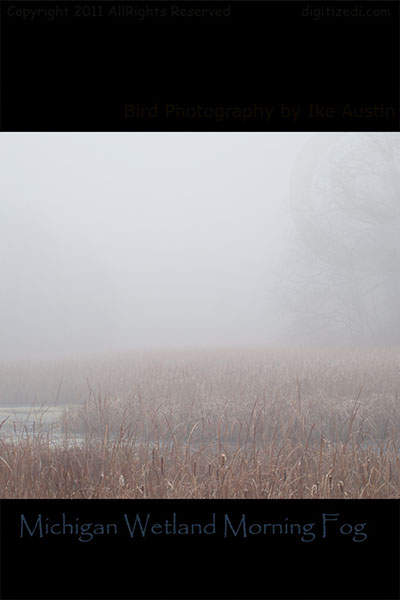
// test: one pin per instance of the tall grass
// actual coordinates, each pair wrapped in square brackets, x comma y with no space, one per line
[256,424]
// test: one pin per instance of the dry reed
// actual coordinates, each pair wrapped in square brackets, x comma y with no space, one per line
[261,424]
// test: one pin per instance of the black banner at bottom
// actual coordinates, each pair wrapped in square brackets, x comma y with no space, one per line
[153,549]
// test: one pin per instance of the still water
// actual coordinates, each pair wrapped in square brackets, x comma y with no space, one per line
[22,422]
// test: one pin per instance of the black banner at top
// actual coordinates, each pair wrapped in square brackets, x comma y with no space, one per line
[199,66]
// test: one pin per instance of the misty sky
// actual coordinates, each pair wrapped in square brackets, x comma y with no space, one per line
[111,242]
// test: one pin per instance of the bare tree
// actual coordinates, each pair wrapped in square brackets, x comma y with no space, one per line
[343,277]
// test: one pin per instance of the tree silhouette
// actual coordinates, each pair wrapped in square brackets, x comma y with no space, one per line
[343,275]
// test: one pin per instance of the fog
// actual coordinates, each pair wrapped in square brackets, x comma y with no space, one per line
[119,242]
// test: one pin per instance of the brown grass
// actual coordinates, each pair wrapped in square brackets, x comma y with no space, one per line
[260,424]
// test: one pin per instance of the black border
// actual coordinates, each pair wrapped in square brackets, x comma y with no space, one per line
[24,93]
[79,74]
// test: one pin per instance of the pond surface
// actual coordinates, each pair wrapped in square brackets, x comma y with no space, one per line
[21,422]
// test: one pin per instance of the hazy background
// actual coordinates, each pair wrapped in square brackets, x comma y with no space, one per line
[115,242]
